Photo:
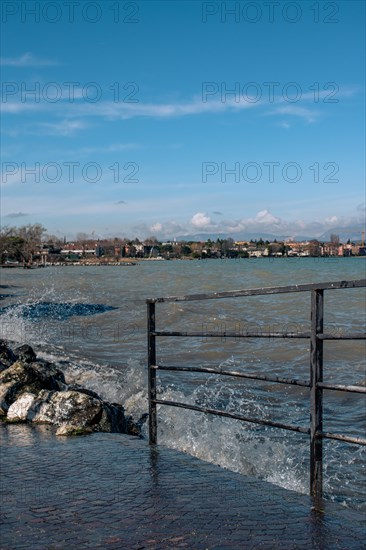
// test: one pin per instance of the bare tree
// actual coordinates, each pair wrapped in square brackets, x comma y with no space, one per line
[21,243]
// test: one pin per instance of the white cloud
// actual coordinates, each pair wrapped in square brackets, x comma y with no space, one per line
[119,111]
[196,106]
[125,110]
[201,220]
[265,217]
[14,107]
[166,230]
[113,148]
[262,223]
[26,60]
[156,228]
[62,128]
[310,115]
[331,93]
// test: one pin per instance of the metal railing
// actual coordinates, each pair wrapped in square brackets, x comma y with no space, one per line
[316,384]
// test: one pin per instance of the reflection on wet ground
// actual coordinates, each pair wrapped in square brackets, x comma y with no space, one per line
[116,491]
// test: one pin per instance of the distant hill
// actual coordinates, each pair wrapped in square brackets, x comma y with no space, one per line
[235,236]
[348,232]
[239,237]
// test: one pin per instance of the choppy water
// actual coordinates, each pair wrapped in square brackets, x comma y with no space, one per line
[92,321]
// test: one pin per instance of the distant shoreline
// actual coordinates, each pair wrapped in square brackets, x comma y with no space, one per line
[129,263]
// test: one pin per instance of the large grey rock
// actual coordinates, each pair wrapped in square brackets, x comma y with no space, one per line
[66,407]
[76,413]
[23,377]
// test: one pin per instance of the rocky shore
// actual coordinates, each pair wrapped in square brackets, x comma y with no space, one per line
[35,390]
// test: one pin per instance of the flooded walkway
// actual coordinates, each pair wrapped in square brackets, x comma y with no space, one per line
[114,491]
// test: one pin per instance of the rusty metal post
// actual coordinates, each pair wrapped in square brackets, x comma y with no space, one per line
[316,394]
[151,372]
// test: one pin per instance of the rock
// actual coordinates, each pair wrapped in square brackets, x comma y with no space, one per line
[52,377]
[35,390]
[67,407]
[77,387]
[25,353]
[27,378]
[6,397]
[113,418]
[14,381]
[7,357]
[141,421]
[43,410]
[72,429]
[77,412]
[19,410]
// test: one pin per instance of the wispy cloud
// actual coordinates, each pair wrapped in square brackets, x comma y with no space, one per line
[112,148]
[62,128]
[196,106]
[16,215]
[310,115]
[307,108]
[124,111]
[26,60]
[17,107]
[331,93]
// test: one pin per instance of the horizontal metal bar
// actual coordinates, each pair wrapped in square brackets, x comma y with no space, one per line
[357,440]
[237,374]
[345,336]
[231,415]
[341,387]
[224,334]
[259,334]
[263,291]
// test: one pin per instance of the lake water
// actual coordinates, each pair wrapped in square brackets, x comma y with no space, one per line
[92,322]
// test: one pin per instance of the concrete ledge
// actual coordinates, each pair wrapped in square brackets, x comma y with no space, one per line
[114,491]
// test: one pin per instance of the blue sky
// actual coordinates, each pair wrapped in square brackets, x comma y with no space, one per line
[182,118]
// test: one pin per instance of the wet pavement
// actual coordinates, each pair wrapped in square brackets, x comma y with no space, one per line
[113,491]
